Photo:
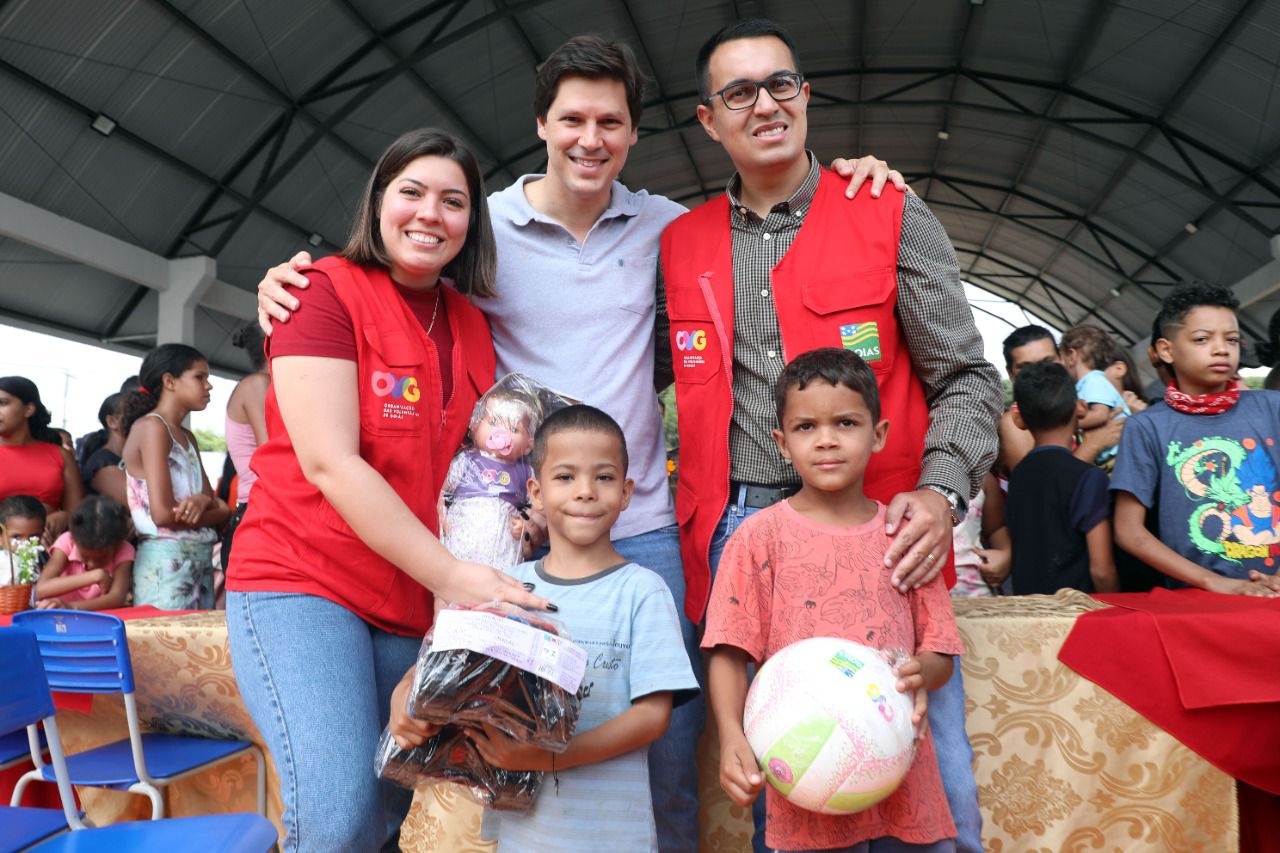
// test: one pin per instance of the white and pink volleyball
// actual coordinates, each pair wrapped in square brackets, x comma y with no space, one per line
[828,725]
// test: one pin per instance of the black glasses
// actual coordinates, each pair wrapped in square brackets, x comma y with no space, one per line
[782,86]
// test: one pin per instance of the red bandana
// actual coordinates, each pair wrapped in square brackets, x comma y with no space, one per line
[1202,404]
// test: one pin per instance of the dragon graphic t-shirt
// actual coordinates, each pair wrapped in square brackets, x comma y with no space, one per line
[1214,479]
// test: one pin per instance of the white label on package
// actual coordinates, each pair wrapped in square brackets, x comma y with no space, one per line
[532,649]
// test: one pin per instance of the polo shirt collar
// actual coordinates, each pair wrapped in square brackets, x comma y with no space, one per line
[622,202]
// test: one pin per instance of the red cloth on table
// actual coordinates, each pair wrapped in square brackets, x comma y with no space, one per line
[1240,635]
[83,702]
[1131,651]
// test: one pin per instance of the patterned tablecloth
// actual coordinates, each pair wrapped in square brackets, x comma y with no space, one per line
[1061,765]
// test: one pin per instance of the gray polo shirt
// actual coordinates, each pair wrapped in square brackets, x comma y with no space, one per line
[579,319]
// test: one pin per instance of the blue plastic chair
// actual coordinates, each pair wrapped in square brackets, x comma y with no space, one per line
[15,749]
[86,652]
[26,700]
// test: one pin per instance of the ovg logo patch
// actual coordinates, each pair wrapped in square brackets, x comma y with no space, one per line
[862,338]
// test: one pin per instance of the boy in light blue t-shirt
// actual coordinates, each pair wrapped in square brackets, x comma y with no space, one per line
[1085,350]
[623,615]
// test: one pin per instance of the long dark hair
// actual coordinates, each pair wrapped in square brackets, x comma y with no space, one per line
[173,359]
[26,391]
[475,267]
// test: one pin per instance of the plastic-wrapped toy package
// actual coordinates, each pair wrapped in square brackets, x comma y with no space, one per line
[514,669]
[486,486]
[451,757]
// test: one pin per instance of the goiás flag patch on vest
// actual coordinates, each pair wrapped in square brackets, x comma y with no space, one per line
[862,338]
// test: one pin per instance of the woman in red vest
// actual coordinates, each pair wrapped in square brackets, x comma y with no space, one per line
[330,585]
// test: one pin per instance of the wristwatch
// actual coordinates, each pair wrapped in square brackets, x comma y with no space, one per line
[959,506]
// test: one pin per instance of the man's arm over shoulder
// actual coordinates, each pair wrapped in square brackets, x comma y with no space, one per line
[961,386]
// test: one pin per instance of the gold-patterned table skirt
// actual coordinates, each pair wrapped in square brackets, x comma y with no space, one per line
[1061,765]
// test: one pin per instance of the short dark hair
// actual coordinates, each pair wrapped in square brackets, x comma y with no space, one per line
[594,58]
[99,522]
[1022,336]
[748,28]
[250,338]
[474,268]
[1092,343]
[22,506]
[1045,394]
[1183,299]
[833,366]
[577,418]
[1269,350]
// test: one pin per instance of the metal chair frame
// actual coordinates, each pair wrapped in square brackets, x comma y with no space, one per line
[67,656]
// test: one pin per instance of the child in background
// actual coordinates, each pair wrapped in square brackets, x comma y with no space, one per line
[173,505]
[979,570]
[89,566]
[813,565]
[1058,505]
[623,615]
[22,517]
[1085,351]
[1206,458]
[1122,372]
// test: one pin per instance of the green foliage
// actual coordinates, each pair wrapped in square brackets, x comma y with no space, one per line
[668,399]
[210,441]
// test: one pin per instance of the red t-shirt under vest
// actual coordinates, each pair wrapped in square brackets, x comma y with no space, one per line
[836,286]
[291,538]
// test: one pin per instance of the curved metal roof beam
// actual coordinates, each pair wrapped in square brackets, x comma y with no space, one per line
[1180,93]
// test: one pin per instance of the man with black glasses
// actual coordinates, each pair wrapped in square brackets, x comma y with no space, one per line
[782,264]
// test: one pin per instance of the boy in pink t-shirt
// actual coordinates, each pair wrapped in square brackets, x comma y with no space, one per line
[90,565]
[813,566]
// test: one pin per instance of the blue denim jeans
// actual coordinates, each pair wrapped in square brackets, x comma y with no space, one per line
[673,774]
[946,722]
[317,681]
[955,761]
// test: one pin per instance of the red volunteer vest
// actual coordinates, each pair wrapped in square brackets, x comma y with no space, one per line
[291,538]
[837,286]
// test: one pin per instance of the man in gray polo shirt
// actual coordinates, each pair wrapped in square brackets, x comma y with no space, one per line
[575,308]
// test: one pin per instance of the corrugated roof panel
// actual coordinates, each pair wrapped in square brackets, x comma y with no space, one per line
[39,285]
[1024,39]
[1235,109]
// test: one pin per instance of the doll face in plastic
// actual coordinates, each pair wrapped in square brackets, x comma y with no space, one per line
[503,431]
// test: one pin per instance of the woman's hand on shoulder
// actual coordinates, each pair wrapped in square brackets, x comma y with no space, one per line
[274,301]
[473,583]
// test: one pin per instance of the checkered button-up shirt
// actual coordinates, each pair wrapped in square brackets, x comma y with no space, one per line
[962,388]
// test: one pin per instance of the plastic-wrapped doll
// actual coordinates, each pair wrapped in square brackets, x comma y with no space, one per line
[487,483]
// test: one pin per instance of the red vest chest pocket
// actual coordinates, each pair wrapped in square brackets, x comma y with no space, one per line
[398,394]
[696,351]
[854,312]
